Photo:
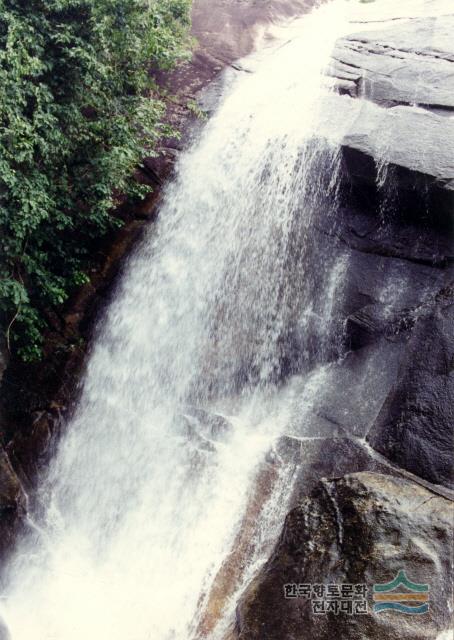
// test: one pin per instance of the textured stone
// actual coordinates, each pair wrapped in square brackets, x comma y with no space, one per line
[410,62]
[362,528]
[404,73]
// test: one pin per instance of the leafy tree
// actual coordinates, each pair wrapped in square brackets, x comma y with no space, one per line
[78,111]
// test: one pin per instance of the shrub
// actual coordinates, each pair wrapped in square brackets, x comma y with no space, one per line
[78,111]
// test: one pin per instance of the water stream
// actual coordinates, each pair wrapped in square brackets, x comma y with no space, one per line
[224,314]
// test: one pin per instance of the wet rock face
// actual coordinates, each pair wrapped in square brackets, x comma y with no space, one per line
[396,229]
[397,312]
[415,428]
[361,529]
[403,73]
[386,408]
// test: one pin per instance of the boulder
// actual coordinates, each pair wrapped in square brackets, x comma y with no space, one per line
[388,136]
[361,529]
[311,459]
[292,467]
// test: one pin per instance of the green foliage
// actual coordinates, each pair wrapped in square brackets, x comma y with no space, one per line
[196,110]
[78,111]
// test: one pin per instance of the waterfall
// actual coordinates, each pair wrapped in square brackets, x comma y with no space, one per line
[223,317]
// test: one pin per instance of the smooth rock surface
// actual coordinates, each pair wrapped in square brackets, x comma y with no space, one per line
[404,72]
[387,135]
[415,428]
[411,62]
[350,394]
[361,529]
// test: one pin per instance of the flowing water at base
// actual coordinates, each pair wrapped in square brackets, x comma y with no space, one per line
[230,294]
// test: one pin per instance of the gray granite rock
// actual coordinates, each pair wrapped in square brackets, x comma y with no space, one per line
[397,105]
[360,529]
[410,62]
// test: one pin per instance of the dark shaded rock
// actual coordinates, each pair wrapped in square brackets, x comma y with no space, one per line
[396,233]
[366,325]
[11,494]
[350,393]
[402,333]
[312,459]
[4,357]
[291,463]
[360,529]
[420,197]
[387,261]
[388,276]
[29,453]
[13,503]
[415,428]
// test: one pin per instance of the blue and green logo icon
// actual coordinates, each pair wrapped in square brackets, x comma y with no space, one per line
[401,595]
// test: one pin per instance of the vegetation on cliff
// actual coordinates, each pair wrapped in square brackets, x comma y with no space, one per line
[78,112]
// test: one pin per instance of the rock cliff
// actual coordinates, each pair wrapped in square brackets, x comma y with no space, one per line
[374,456]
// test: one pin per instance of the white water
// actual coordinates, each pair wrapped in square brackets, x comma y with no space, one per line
[143,504]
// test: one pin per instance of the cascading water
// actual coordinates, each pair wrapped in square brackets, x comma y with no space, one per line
[182,399]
